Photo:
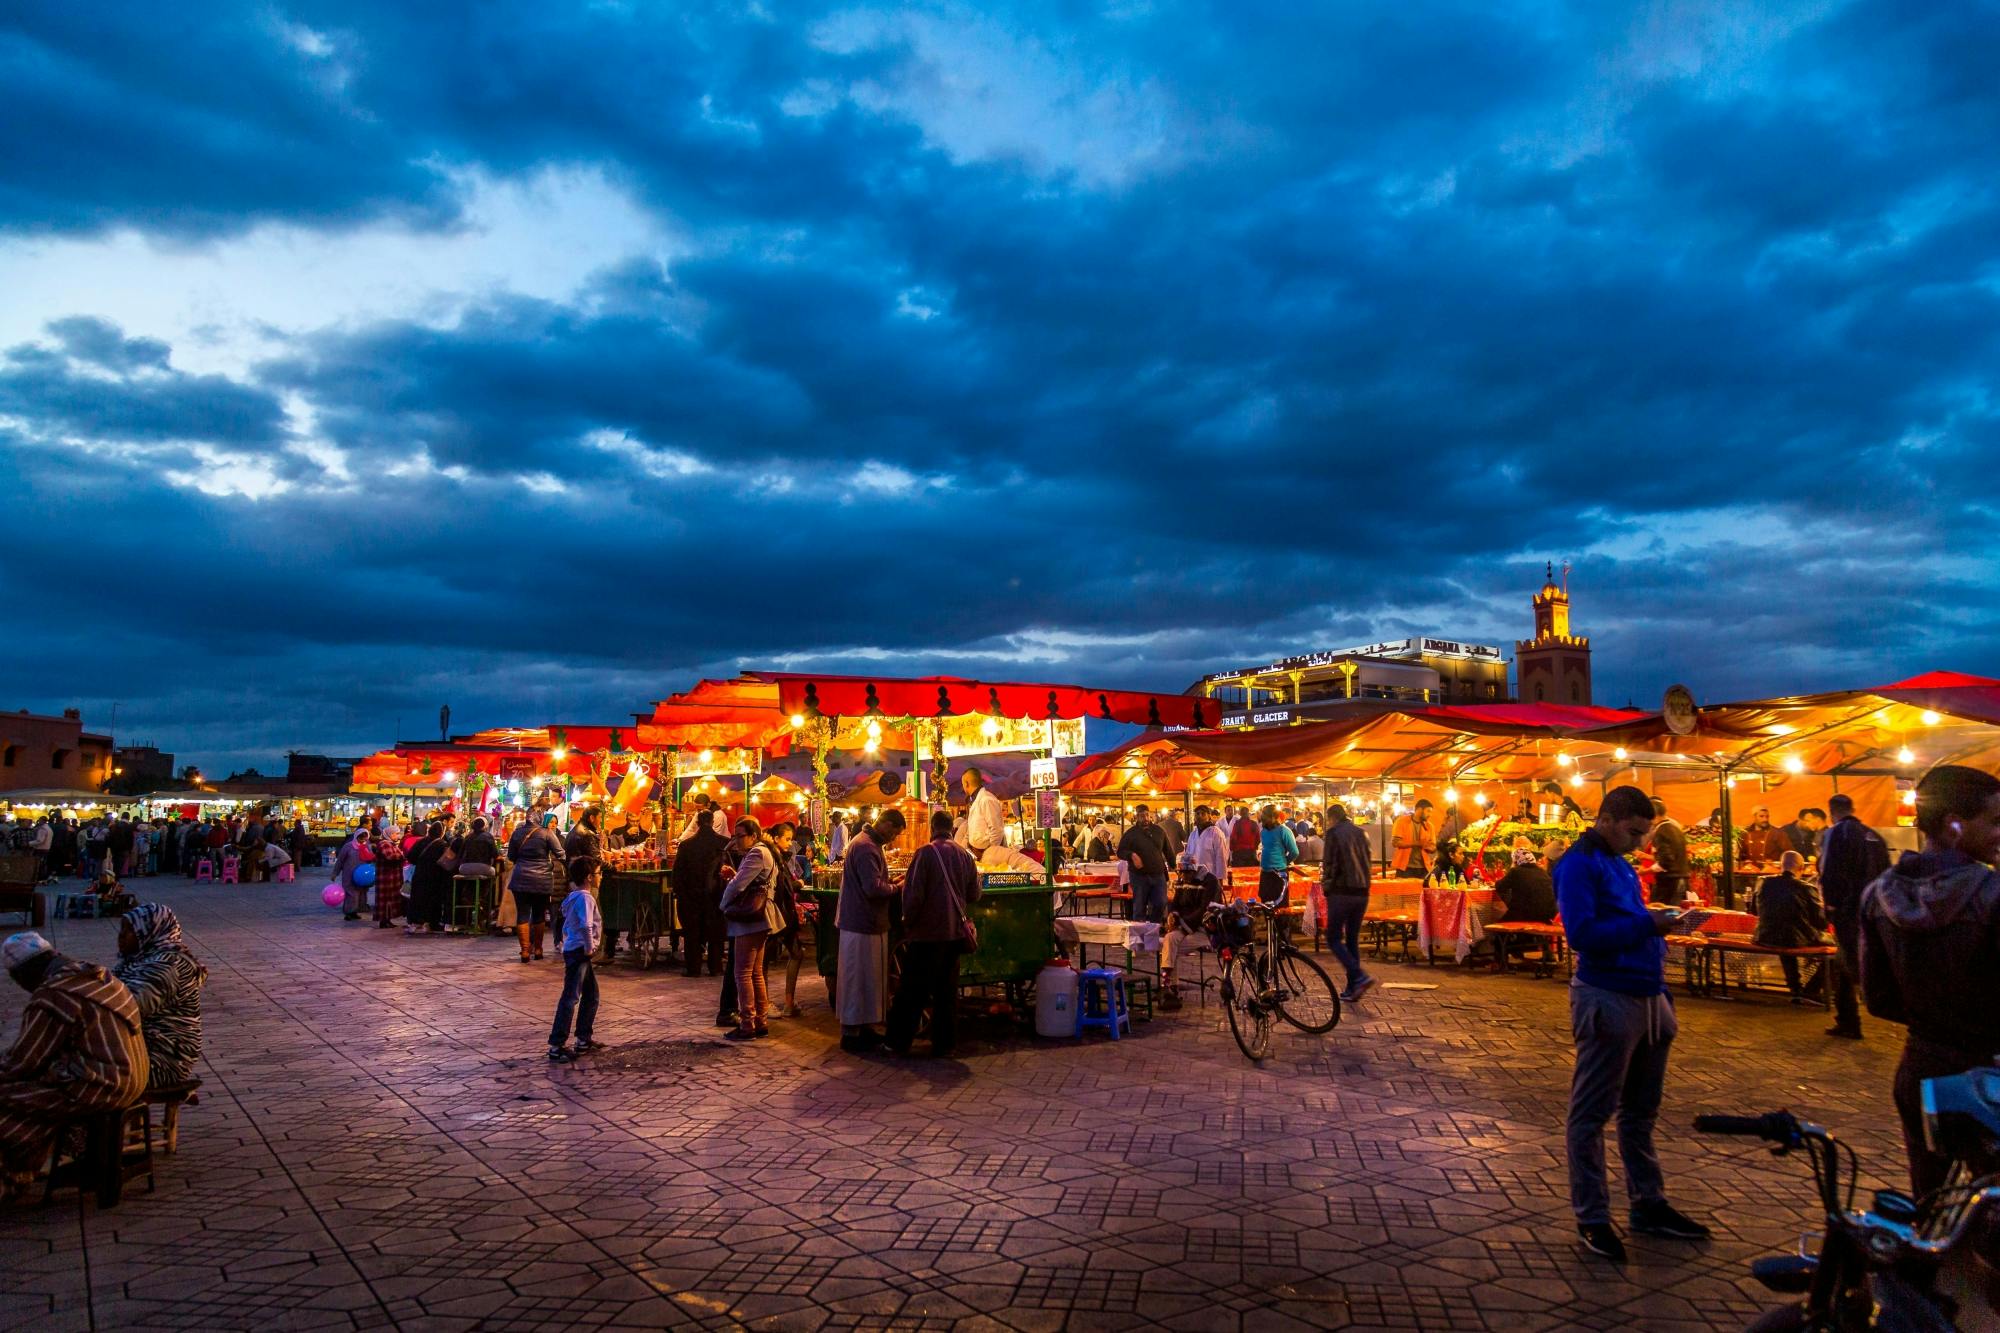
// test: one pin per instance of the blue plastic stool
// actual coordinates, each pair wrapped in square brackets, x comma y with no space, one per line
[1113,1011]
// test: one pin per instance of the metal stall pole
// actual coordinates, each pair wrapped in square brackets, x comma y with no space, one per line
[1728,885]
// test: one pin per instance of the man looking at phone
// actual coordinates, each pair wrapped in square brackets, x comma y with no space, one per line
[1623,1022]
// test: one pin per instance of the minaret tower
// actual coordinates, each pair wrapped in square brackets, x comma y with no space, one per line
[1554,666]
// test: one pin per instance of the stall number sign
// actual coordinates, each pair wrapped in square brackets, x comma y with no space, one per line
[1041,773]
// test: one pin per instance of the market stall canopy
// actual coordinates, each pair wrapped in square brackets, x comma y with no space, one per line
[949,696]
[1936,718]
[204,798]
[60,796]
[1407,742]
[721,715]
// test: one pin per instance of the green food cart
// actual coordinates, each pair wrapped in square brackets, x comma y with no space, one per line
[640,903]
[1015,917]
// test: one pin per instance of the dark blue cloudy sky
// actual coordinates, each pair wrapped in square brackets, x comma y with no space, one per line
[356,358]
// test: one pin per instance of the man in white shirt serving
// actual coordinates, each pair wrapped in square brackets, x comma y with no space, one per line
[1205,860]
[985,831]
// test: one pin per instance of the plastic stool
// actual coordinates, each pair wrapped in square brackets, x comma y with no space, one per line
[285,874]
[1114,1011]
[466,910]
[204,871]
[230,866]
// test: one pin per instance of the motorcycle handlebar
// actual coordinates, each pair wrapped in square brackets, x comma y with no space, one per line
[1775,1126]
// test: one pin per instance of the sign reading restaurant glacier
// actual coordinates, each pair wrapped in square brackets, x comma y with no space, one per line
[1405,648]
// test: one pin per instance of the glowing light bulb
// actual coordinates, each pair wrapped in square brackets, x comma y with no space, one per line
[707,755]
[798,719]
[1451,795]
[1222,777]
[1576,780]
[450,777]
[1929,718]
[1729,782]
[1479,799]
[1910,796]
[871,745]
[1906,756]
[1562,761]
[1794,764]
[1620,754]
[989,728]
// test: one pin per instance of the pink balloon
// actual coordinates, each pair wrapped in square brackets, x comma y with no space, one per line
[332,894]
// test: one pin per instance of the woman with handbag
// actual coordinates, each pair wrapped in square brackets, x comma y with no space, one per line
[942,883]
[792,937]
[750,909]
[539,864]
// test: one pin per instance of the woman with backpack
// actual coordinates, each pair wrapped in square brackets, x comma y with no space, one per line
[750,909]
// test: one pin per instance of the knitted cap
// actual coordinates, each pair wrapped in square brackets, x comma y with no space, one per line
[22,947]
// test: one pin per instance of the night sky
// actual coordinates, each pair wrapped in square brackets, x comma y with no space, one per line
[540,359]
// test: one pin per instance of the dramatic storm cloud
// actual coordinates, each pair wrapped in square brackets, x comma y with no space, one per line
[359,358]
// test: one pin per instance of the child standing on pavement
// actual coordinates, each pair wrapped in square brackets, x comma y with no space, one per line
[582,932]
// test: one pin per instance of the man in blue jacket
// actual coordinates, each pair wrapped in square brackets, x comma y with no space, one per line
[1623,1023]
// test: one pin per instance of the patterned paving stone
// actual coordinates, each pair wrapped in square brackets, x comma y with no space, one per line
[381,1145]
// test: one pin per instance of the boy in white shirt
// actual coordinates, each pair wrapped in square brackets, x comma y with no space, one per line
[582,932]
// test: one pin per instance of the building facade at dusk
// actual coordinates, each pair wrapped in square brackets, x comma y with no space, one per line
[1551,667]
[52,752]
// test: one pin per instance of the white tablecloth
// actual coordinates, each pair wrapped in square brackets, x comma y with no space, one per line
[1135,936]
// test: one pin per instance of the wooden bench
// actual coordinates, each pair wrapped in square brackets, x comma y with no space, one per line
[1713,950]
[1382,926]
[1555,945]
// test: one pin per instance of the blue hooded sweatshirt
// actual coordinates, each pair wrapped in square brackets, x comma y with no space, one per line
[1617,945]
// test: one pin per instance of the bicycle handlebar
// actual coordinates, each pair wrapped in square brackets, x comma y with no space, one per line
[1774,1126]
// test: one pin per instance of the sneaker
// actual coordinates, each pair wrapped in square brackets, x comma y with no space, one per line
[1601,1240]
[1851,1034]
[738,1034]
[561,1055]
[588,1047]
[727,1020]
[1360,987]
[761,1031]
[1660,1218]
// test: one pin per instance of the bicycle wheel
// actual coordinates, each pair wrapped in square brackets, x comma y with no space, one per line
[1249,1020]
[1306,997]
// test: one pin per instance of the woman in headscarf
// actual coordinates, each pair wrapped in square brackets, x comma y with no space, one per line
[388,881]
[166,981]
[353,854]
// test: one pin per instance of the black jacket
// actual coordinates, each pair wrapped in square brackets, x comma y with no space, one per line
[696,861]
[1528,892]
[1930,951]
[1344,869]
[1856,857]
[1149,843]
[1789,914]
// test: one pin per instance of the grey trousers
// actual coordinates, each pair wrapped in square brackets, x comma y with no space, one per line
[1621,1066]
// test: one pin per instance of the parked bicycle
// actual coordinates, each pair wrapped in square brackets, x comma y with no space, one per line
[1264,976]
[1925,1266]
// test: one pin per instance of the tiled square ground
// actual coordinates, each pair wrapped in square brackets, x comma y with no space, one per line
[381,1144]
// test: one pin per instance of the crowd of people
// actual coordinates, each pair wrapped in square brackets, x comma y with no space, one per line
[1917,943]
[129,846]
[93,1039]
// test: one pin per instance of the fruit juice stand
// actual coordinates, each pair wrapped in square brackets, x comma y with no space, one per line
[636,897]
[1015,917]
